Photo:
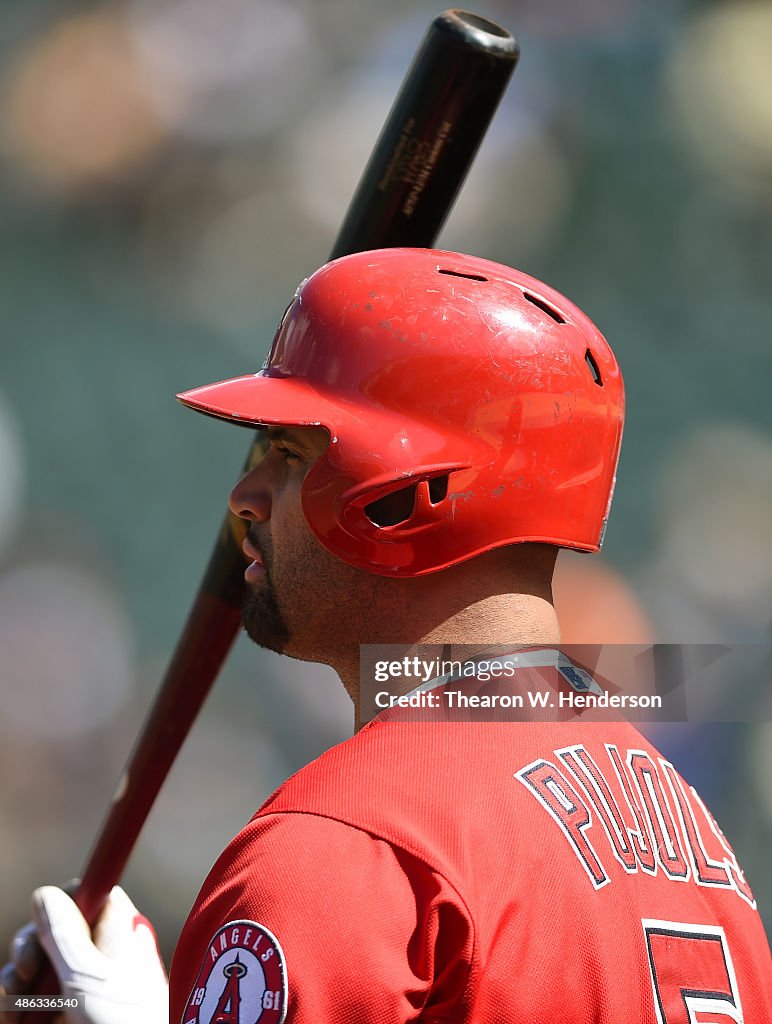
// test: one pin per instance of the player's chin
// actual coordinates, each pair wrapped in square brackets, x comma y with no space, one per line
[262,619]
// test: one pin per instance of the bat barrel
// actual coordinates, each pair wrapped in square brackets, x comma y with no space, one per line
[431,135]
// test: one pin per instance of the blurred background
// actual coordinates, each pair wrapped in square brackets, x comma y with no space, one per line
[169,171]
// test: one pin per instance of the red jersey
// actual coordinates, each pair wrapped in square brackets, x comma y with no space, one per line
[481,872]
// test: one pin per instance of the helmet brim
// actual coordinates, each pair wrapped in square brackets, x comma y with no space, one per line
[261,399]
[258,400]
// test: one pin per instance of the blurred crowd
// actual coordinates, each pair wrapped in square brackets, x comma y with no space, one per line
[169,171]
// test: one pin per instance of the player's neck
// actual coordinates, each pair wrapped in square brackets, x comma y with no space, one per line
[501,621]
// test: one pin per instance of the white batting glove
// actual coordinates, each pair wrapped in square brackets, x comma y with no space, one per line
[118,976]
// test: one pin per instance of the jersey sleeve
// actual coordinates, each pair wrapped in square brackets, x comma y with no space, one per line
[311,918]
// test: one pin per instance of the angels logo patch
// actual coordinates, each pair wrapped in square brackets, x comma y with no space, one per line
[242,980]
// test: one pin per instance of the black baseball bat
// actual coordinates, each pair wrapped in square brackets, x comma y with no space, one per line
[419,163]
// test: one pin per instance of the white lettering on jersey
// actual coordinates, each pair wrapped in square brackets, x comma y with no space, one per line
[650,820]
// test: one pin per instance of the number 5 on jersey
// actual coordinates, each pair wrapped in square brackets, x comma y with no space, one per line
[691,973]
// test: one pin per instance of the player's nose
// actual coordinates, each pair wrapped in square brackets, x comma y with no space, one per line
[250,499]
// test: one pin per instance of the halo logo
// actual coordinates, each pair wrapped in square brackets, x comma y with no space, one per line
[242,980]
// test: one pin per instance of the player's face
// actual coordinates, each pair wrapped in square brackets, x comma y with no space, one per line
[291,579]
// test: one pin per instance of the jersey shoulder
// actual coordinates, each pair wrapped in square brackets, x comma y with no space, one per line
[289,909]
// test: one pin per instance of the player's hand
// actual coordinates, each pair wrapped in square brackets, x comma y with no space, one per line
[118,975]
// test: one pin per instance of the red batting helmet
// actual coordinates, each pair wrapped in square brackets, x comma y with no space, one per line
[485,398]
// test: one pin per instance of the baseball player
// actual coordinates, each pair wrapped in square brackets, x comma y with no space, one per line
[438,426]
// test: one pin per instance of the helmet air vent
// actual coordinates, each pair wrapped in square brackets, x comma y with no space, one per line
[457,273]
[594,369]
[545,307]
[398,507]
[438,489]
[393,508]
